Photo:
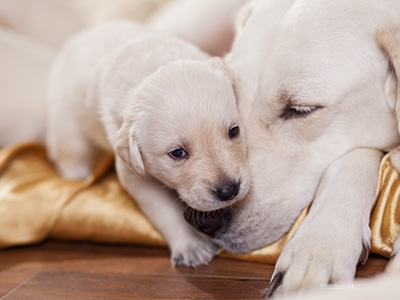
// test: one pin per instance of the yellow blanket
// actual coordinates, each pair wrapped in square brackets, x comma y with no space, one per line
[35,204]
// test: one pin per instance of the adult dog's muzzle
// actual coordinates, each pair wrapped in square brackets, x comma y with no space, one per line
[208,222]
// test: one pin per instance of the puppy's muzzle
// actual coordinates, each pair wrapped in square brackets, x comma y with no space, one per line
[227,191]
[208,222]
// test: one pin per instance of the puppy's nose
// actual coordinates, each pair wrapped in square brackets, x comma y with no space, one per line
[208,222]
[227,192]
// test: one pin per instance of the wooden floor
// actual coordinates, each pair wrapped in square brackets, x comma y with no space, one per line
[60,270]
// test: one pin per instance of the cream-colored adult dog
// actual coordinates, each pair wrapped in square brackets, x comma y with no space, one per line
[318,92]
[166,110]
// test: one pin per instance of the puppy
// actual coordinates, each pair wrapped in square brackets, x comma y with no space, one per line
[317,84]
[168,113]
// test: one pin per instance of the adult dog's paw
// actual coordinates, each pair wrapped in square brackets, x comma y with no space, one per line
[193,251]
[314,258]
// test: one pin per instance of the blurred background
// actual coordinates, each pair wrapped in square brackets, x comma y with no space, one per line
[32,31]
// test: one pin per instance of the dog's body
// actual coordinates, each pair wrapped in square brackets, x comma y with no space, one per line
[320,102]
[160,105]
[209,24]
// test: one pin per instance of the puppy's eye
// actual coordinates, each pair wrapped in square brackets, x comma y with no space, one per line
[178,153]
[297,111]
[234,132]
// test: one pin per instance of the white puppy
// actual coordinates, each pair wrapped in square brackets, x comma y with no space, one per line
[318,92]
[163,108]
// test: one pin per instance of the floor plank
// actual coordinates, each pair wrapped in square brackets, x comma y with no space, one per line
[60,285]
[65,270]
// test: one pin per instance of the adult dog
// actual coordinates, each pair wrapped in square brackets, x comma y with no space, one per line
[163,108]
[318,91]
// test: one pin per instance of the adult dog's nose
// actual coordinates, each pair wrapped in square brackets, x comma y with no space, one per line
[208,222]
[228,191]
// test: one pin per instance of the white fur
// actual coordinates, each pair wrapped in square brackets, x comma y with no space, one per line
[384,286]
[138,94]
[208,24]
[97,11]
[323,58]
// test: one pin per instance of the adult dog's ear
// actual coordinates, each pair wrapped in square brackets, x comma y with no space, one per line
[243,15]
[127,149]
[389,41]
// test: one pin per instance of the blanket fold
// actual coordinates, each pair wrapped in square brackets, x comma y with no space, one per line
[36,203]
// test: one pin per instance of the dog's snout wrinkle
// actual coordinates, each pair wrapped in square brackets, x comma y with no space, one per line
[207,222]
[228,191]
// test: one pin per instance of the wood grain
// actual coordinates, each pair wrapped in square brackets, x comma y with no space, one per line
[60,270]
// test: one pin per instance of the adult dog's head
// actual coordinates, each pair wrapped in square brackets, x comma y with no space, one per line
[183,128]
[314,80]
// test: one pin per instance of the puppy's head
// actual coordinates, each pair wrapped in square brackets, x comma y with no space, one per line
[184,129]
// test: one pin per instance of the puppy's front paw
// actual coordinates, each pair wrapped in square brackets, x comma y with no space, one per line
[315,258]
[192,251]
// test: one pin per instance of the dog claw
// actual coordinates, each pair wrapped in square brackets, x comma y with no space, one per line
[178,260]
[364,253]
[275,282]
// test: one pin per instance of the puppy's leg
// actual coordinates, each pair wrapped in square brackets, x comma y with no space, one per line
[187,246]
[68,148]
[335,235]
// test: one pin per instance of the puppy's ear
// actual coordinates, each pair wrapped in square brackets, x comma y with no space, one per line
[219,64]
[389,41]
[127,149]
